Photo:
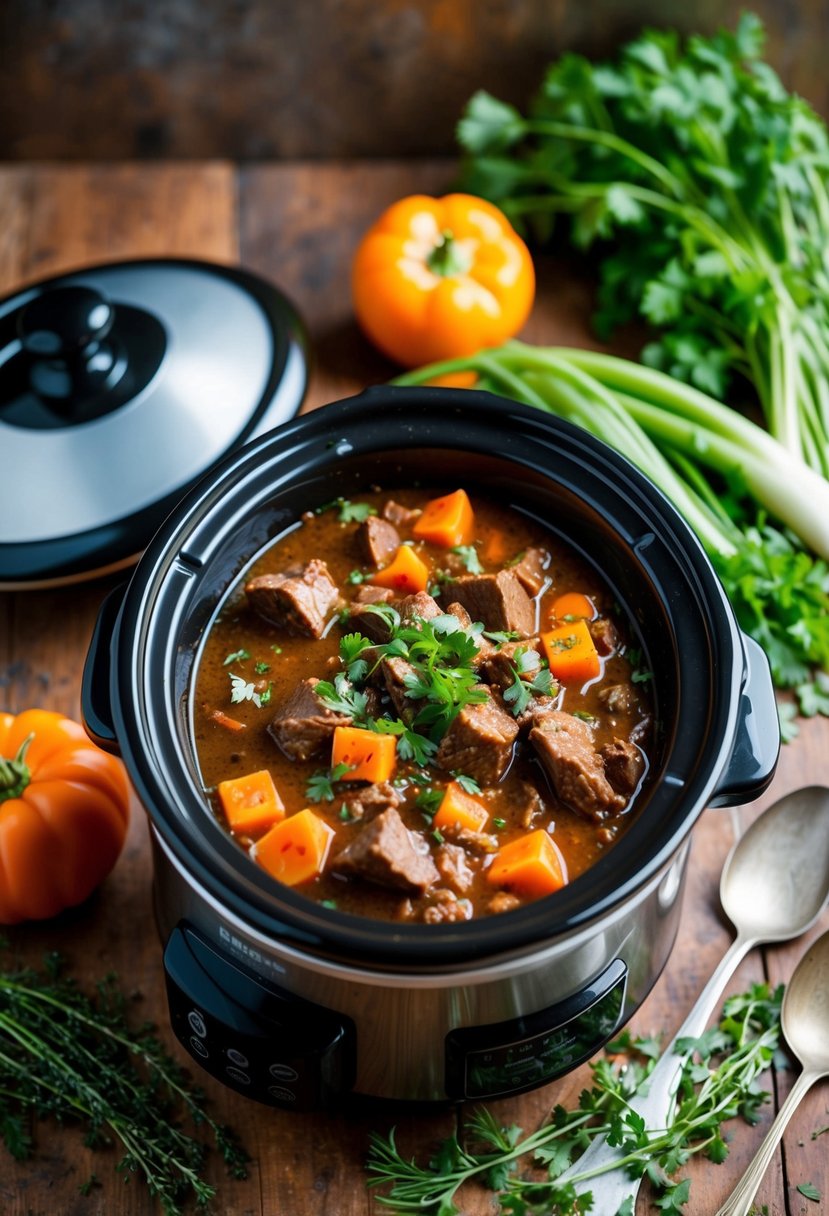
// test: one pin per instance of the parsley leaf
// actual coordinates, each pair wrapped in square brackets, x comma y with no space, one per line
[469,556]
[238,656]
[342,697]
[809,1191]
[347,512]
[320,786]
[468,784]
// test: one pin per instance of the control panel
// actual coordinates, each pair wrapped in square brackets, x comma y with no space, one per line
[267,1044]
[523,1053]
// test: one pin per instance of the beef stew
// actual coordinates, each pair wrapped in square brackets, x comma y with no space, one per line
[421,708]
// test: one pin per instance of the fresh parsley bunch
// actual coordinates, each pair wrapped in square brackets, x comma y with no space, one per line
[719,1083]
[711,180]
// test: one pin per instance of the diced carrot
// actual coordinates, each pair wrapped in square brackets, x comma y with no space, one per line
[250,803]
[530,865]
[496,550]
[369,755]
[405,572]
[446,521]
[571,653]
[573,604]
[459,809]
[295,849]
[222,719]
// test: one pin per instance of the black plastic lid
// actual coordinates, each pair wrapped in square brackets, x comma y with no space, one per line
[120,386]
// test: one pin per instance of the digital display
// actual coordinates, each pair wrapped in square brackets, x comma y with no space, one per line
[509,1057]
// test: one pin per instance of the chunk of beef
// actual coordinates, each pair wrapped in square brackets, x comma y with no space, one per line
[453,863]
[371,800]
[395,670]
[299,600]
[499,668]
[370,624]
[399,515]
[385,852]
[529,803]
[474,842]
[447,909]
[604,635]
[499,600]
[565,748]
[377,540]
[503,902]
[624,765]
[304,725]
[420,605]
[479,742]
[485,647]
[531,569]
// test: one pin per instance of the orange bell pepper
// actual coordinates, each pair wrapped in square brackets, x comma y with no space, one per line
[438,278]
[571,653]
[530,865]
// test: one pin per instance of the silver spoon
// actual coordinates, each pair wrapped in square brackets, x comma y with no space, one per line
[774,884]
[805,1021]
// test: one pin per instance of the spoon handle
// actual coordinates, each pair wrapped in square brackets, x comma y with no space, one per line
[740,1201]
[653,1103]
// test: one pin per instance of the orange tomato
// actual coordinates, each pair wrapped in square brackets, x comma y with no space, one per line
[64,807]
[440,278]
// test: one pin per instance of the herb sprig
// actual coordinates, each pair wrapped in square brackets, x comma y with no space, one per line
[719,1082]
[75,1058]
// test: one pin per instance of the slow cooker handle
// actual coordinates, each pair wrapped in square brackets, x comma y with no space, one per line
[96,703]
[757,743]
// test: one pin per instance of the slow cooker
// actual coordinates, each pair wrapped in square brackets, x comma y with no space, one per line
[298,1005]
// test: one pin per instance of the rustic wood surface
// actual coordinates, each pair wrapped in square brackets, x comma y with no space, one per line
[256,79]
[298,224]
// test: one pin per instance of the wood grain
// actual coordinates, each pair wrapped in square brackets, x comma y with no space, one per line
[256,79]
[298,224]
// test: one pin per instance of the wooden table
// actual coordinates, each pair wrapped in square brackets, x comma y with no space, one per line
[298,224]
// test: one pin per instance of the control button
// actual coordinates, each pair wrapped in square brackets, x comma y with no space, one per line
[199,1047]
[281,1094]
[237,1058]
[236,1074]
[197,1023]
[283,1072]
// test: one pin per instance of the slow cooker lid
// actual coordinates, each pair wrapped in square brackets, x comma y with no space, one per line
[120,385]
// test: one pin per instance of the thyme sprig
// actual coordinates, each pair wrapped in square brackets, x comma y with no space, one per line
[74,1058]
[719,1082]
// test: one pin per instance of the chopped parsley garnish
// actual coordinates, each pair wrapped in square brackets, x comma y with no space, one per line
[355,578]
[410,744]
[499,823]
[429,802]
[469,556]
[260,668]
[328,903]
[521,692]
[583,715]
[238,656]
[265,697]
[347,512]
[342,697]
[500,636]
[276,649]
[320,787]
[468,784]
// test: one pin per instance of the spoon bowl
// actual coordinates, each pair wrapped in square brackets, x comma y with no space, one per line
[776,877]
[805,1021]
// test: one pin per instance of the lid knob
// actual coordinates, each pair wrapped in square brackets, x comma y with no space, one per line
[63,330]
